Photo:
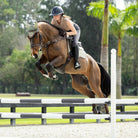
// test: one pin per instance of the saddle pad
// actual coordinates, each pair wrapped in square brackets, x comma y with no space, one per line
[82,53]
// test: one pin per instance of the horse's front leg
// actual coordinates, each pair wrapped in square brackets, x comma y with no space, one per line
[54,63]
[42,60]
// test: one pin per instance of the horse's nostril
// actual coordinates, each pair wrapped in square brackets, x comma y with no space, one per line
[36,56]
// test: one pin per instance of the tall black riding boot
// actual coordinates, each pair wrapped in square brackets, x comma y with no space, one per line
[76,64]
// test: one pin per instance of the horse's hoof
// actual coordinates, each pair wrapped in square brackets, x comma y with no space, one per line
[103,110]
[45,75]
[55,77]
[99,112]
[50,76]
[99,109]
[95,111]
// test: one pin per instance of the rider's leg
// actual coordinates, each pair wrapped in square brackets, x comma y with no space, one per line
[76,64]
[76,47]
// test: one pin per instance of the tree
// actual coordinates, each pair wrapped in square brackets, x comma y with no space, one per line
[119,26]
[46,8]
[8,41]
[25,12]
[132,32]
[6,14]
[12,72]
[104,43]
[100,11]
[119,22]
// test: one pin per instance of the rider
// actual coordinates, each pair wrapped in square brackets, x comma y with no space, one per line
[62,21]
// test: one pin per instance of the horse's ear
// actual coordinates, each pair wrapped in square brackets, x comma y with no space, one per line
[28,37]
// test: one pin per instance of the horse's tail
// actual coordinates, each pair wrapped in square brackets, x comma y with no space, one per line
[105,81]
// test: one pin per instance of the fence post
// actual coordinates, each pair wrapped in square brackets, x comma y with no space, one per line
[122,109]
[13,121]
[113,93]
[71,111]
[43,111]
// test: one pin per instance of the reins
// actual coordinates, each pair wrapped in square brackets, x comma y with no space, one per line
[50,42]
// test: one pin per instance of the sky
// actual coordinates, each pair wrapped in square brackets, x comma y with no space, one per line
[120,4]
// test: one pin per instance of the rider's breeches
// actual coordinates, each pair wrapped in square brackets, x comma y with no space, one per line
[77,36]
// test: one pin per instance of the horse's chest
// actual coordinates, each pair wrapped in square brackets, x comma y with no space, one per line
[52,51]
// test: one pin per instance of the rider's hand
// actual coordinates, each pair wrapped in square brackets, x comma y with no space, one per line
[62,33]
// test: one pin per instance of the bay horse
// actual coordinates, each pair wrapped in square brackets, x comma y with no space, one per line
[55,55]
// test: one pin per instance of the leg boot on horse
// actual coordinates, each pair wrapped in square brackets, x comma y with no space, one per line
[50,72]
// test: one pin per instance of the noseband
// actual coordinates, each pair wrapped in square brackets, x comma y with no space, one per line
[32,42]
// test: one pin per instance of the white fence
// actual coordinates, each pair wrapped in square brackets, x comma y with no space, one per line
[13,103]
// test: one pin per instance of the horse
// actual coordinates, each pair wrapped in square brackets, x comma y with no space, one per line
[90,80]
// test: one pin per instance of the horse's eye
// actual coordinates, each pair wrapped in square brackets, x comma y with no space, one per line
[31,34]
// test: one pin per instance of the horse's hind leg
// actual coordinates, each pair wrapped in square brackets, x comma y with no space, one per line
[97,90]
[94,78]
[80,84]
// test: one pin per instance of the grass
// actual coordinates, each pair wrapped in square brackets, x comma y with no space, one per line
[40,96]
[53,109]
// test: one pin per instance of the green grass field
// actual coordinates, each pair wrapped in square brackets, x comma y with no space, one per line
[53,109]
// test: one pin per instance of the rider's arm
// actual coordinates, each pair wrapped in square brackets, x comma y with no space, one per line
[72,29]
[52,22]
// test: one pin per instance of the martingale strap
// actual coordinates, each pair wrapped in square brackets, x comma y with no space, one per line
[51,42]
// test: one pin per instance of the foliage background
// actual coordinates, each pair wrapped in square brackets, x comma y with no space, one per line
[17,67]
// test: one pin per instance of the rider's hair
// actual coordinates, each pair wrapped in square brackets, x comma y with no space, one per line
[66,16]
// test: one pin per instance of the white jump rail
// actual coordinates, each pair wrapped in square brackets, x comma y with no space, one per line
[127,101]
[54,115]
[64,116]
[56,101]
[67,101]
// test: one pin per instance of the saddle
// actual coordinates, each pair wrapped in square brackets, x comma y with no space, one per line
[71,50]
[71,47]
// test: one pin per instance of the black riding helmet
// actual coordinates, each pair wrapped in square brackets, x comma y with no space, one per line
[56,11]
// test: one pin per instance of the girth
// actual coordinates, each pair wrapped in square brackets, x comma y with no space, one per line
[61,69]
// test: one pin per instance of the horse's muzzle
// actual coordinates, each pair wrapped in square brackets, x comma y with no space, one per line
[35,56]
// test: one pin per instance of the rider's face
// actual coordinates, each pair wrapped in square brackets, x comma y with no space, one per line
[57,17]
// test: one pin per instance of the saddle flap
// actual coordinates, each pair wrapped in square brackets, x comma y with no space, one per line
[82,53]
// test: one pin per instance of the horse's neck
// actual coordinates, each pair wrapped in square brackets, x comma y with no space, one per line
[49,32]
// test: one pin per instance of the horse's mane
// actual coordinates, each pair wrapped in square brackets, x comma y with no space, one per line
[59,29]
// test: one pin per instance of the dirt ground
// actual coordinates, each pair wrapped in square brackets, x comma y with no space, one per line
[89,130]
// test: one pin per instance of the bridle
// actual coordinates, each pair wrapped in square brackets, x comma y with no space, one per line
[50,42]
[42,43]
[32,41]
